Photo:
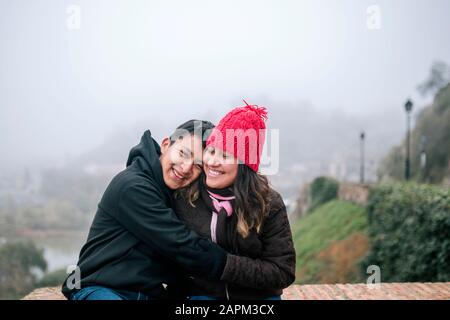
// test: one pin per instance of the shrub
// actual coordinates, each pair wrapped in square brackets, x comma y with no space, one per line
[52,279]
[409,227]
[323,189]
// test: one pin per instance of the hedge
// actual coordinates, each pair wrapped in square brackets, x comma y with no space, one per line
[409,231]
[322,190]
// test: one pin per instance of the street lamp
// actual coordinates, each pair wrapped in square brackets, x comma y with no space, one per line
[408,108]
[361,172]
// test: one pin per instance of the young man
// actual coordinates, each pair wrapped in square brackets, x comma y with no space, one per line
[136,242]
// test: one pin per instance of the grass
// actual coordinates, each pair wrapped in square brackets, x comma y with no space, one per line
[322,239]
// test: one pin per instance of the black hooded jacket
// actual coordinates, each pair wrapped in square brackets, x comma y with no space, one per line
[136,242]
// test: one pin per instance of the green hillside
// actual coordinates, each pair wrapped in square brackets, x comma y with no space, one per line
[329,243]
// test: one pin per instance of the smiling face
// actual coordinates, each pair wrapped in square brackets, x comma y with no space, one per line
[220,168]
[181,161]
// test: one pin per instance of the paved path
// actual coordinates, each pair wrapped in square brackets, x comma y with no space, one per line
[386,291]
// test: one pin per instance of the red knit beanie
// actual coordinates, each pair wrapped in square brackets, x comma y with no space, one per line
[241,133]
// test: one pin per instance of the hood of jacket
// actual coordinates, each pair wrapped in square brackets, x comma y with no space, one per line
[146,157]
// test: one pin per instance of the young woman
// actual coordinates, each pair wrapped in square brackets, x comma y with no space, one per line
[234,206]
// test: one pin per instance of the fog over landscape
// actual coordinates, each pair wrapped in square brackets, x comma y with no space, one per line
[82,80]
[127,68]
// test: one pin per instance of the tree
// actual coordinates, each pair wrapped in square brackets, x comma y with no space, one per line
[438,78]
[17,263]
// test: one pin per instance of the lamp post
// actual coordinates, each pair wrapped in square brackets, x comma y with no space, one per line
[362,136]
[408,108]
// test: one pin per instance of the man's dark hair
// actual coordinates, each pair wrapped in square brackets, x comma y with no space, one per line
[200,128]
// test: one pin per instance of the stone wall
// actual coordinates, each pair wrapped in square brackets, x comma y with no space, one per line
[354,192]
[357,193]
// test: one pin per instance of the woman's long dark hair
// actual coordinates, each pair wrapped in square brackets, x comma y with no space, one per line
[252,192]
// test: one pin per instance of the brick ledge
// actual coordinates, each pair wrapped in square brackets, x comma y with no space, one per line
[386,291]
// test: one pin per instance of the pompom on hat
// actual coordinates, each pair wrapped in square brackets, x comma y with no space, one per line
[241,133]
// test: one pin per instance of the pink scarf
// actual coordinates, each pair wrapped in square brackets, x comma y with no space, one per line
[219,202]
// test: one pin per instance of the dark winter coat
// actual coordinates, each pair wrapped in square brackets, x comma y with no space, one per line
[260,265]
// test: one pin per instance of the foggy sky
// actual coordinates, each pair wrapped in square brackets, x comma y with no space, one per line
[63,91]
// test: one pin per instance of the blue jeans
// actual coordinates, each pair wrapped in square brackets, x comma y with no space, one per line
[104,293]
[212,298]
